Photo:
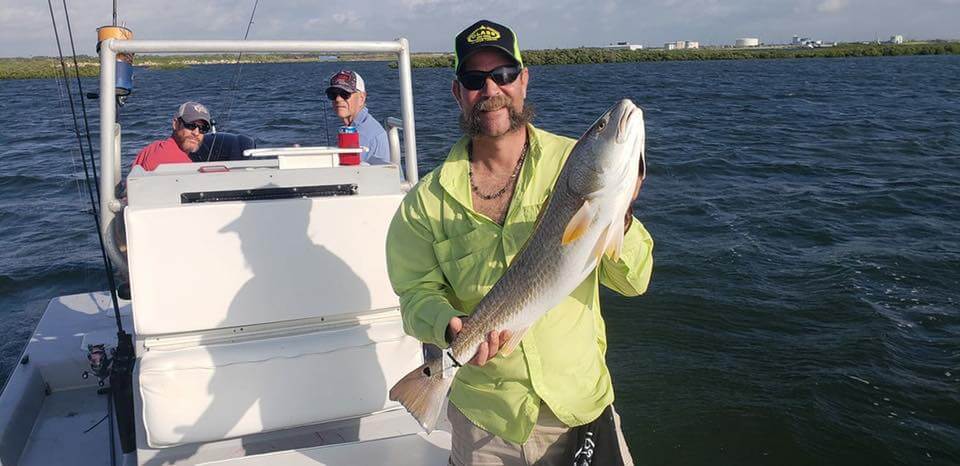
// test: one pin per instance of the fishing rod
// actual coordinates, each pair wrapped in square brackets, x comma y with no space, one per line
[233,87]
[90,185]
[83,103]
[326,128]
[120,368]
[239,66]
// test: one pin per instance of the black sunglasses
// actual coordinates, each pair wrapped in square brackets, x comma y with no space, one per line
[332,94]
[502,75]
[203,125]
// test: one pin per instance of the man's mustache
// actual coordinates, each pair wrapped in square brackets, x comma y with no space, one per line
[493,103]
[470,118]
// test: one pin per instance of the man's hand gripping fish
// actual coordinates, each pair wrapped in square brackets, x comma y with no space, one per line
[582,220]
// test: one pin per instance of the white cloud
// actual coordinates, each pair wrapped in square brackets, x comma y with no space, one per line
[348,19]
[832,6]
[694,8]
[411,4]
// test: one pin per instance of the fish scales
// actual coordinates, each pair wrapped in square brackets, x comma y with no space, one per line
[582,220]
[524,279]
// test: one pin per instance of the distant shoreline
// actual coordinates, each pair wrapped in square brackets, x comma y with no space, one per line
[88,66]
[584,55]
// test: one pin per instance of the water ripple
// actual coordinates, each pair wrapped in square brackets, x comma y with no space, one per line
[803,305]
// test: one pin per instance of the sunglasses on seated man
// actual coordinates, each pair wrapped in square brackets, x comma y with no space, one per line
[502,75]
[332,94]
[203,125]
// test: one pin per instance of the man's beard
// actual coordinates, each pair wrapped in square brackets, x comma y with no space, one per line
[470,121]
[187,140]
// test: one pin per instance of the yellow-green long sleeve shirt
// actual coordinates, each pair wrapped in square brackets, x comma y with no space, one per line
[443,257]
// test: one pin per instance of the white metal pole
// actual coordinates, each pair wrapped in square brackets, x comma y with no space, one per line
[393,137]
[117,149]
[225,46]
[108,102]
[406,111]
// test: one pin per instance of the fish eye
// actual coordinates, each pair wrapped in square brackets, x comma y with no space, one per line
[602,124]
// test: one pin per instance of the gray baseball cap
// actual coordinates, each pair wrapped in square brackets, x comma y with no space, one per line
[193,111]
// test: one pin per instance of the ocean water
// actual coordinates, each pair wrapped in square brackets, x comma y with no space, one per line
[804,305]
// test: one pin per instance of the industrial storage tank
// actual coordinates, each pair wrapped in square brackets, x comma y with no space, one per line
[747,42]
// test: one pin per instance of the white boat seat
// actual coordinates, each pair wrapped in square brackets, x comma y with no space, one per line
[412,449]
[217,391]
[205,266]
[259,315]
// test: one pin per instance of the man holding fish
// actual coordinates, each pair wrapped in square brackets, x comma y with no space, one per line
[497,256]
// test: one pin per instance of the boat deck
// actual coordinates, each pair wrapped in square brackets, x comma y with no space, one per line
[55,413]
[71,428]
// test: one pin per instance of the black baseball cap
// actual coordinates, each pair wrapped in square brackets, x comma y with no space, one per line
[485,33]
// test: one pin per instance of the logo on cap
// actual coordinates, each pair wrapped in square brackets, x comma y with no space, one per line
[342,78]
[483,34]
[199,108]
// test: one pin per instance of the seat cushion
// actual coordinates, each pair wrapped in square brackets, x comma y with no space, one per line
[223,390]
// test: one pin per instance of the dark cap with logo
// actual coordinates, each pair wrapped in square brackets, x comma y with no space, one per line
[193,111]
[347,80]
[483,34]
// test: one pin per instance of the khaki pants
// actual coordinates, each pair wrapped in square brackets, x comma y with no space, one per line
[550,443]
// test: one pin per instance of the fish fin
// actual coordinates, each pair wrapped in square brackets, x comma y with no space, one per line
[513,342]
[614,241]
[598,249]
[577,225]
[422,392]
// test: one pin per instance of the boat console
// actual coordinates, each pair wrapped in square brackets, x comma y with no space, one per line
[260,296]
[261,304]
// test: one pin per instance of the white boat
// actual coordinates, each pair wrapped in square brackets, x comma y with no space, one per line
[264,326]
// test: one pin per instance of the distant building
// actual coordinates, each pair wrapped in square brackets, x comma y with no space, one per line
[747,42]
[625,46]
[802,41]
[810,43]
[897,39]
[682,44]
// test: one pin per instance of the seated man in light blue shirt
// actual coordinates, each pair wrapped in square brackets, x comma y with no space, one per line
[348,96]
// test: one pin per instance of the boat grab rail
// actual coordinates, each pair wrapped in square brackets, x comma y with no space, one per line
[110,131]
[305,150]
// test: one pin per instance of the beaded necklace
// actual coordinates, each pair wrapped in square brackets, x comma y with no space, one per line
[516,171]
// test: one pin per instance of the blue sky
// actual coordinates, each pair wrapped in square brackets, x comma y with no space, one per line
[25,27]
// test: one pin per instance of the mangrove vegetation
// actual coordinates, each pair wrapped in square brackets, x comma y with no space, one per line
[588,55]
[88,66]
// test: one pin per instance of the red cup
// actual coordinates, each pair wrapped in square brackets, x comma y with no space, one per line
[349,140]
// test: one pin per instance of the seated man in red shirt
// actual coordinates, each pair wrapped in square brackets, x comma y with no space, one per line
[190,123]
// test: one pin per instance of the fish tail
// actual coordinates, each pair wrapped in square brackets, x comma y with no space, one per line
[423,391]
